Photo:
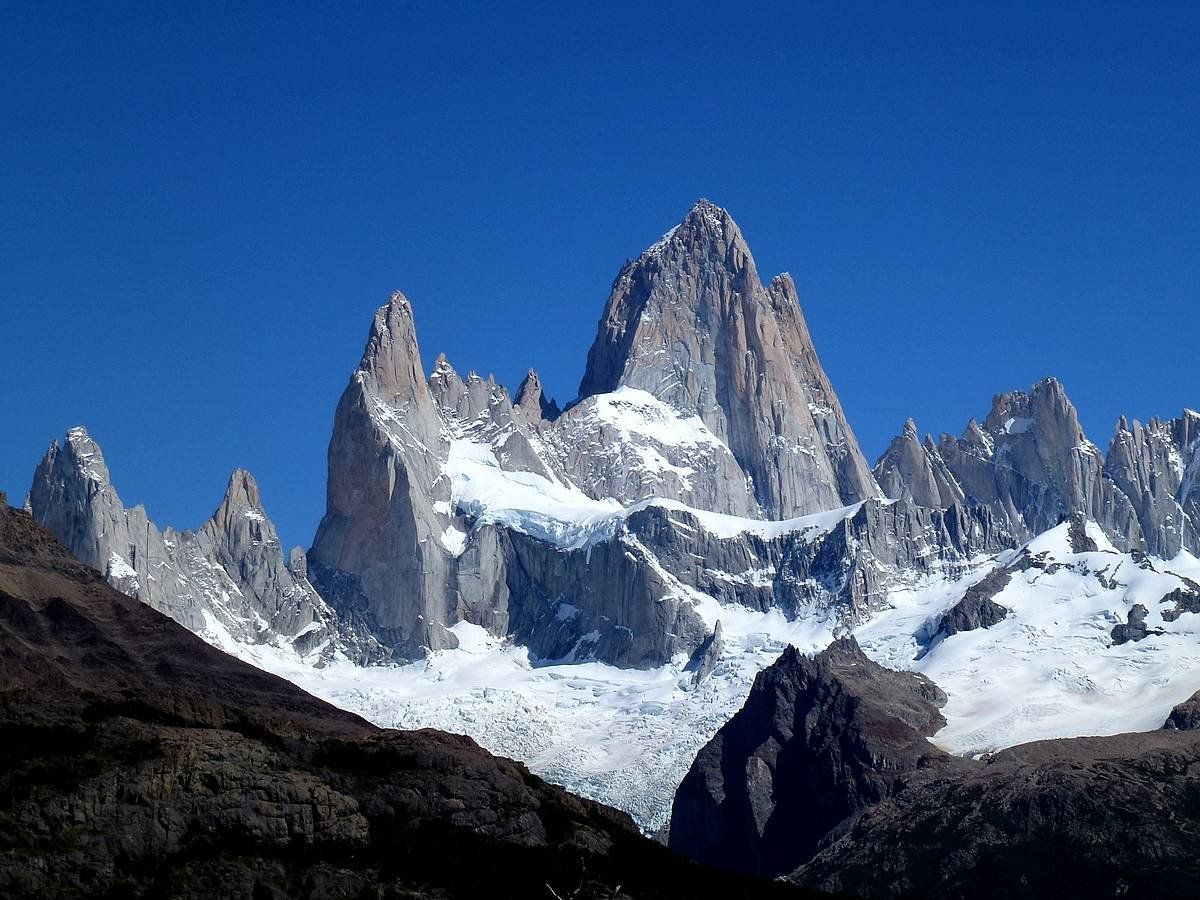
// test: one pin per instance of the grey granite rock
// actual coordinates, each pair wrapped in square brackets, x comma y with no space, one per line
[1032,465]
[1157,466]
[690,322]
[380,555]
[230,574]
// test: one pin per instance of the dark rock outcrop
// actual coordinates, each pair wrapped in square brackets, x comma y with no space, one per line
[705,659]
[1186,715]
[137,761]
[817,741]
[1086,817]
[1181,600]
[827,773]
[976,609]
[1134,628]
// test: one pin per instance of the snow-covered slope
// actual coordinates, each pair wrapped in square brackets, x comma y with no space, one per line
[1050,668]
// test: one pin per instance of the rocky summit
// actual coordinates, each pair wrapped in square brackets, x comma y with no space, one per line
[827,776]
[1031,465]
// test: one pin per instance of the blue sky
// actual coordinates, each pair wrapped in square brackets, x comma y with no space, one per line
[200,209]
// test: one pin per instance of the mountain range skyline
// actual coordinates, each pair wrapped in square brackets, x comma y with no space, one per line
[297,516]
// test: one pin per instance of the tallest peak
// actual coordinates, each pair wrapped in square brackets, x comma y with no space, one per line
[707,215]
[706,227]
[706,207]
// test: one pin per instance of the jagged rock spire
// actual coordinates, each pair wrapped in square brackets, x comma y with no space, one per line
[230,571]
[532,401]
[690,322]
[391,360]
[1030,464]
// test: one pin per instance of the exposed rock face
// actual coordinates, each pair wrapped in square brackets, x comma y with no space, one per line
[1086,817]
[828,773]
[976,609]
[817,741]
[911,469]
[1031,464]
[1186,715]
[1157,466]
[399,551]
[230,574]
[1181,600]
[707,655]
[1135,628]
[533,403]
[690,322]
[838,565]
[138,760]
[372,557]
[631,446]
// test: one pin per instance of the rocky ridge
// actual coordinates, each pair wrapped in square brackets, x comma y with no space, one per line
[827,775]
[449,502]
[1031,465]
[703,400]
[227,579]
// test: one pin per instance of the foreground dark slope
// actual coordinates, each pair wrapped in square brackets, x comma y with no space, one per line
[135,760]
[826,775]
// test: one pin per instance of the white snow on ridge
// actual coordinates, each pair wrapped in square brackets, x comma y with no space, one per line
[1050,669]
[636,412]
[725,526]
[525,501]
[565,516]
[118,567]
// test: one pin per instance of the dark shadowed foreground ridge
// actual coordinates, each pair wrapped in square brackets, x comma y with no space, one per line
[135,760]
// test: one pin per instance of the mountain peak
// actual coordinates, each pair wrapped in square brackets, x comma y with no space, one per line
[531,398]
[84,454]
[242,491]
[705,212]
[391,360]
[691,323]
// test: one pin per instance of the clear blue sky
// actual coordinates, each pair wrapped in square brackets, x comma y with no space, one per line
[200,209]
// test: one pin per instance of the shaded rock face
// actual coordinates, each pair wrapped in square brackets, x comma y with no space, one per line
[604,602]
[817,741]
[229,574]
[827,775]
[1031,464]
[137,761]
[840,570]
[1185,716]
[1135,629]
[1181,600]
[690,322]
[1087,817]
[976,609]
